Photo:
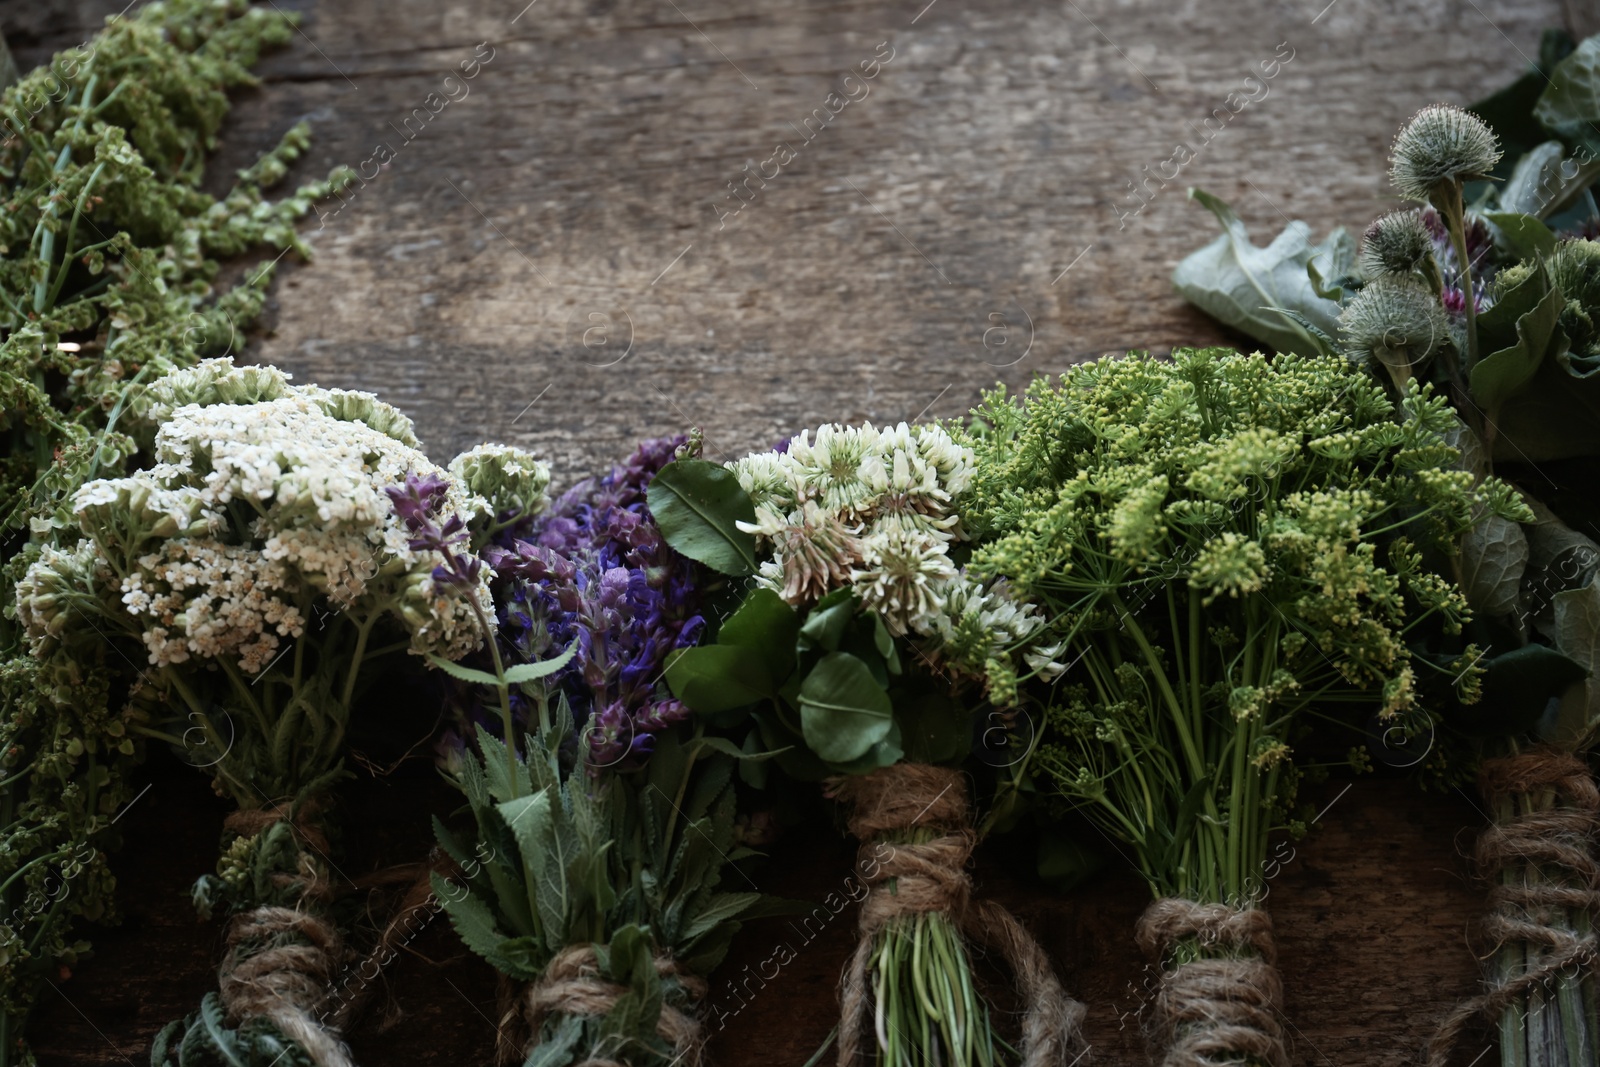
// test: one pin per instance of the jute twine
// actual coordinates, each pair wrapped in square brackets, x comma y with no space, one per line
[1559,839]
[280,961]
[1215,1010]
[932,877]
[572,985]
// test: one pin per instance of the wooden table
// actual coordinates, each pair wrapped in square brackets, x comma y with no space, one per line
[559,258]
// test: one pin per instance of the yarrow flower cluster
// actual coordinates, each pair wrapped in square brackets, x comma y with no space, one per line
[876,510]
[595,571]
[253,511]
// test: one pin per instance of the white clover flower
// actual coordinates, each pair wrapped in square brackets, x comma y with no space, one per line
[902,577]
[816,500]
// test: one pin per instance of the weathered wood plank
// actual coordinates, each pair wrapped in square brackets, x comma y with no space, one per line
[981,175]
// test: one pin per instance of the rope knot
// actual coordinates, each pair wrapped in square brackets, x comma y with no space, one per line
[279,966]
[573,985]
[1553,846]
[1215,1009]
[919,877]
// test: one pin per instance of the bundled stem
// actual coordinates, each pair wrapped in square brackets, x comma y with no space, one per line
[1538,854]
[910,980]
[1220,995]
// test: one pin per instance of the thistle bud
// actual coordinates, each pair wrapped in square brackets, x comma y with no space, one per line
[1395,321]
[1441,146]
[1397,243]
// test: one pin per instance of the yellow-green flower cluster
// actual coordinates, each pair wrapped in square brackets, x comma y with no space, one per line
[1216,542]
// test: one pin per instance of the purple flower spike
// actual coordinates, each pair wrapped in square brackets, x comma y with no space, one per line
[595,573]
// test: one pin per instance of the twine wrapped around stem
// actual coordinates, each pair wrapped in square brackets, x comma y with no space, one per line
[1534,912]
[1215,1009]
[572,985]
[281,961]
[931,876]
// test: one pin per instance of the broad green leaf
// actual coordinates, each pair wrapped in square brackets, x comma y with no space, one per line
[717,678]
[1559,558]
[697,505]
[1577,633]
[1545,182]
[466,674]
[1326,346]
[766,624]
[1556,416]
[885,753]
[843,711]
[1238,283]
[1523,235]
[825,626]
[1569,107]
[528,672]
[1501,375]
[1494,555]
[1517,689]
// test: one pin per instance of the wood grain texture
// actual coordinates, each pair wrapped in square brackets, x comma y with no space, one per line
[976,187]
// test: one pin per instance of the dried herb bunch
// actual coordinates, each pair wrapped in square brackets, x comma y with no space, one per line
[108,279]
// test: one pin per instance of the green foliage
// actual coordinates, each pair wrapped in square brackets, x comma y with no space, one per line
[630,864]
[108,265]
[823,691]
[1219,542]
[1274,294]
[205,1040]
[698,505]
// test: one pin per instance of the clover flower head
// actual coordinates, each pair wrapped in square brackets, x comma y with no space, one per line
[1440,146]
[902,577]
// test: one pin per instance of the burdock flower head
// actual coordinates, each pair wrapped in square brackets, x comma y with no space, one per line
[1439,148]
[1395,321]
[1398,243]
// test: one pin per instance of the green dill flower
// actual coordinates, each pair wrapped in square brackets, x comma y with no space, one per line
[1233,565]
[1441,146]
[1216,580]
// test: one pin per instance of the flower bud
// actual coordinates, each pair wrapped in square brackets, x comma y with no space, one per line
[1395,321]
[1441,146]
[1397,243]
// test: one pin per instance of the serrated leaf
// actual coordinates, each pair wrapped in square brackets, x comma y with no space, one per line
[471,917]
[697,505]
[465,674]
[529,672]
[1237,283]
